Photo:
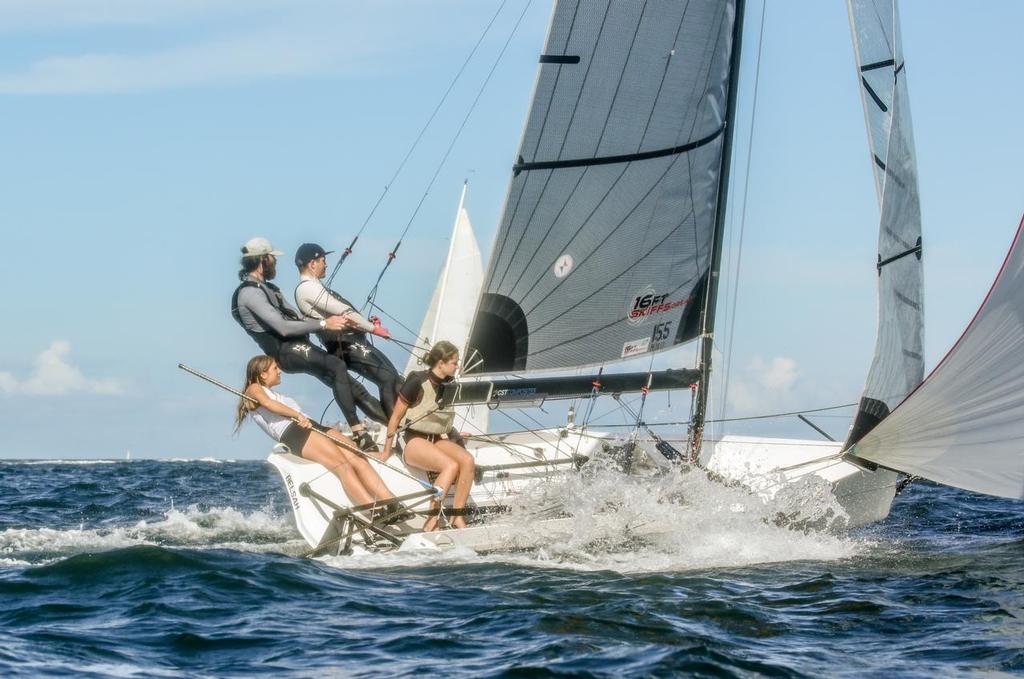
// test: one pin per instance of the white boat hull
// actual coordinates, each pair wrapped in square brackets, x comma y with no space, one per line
[764,466]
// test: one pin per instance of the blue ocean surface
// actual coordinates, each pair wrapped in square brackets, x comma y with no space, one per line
[191,568]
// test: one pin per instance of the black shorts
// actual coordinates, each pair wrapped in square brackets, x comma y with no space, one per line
[409,435]
[295,437]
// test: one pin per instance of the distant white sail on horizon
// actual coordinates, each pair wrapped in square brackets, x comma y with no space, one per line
[450,314]
[964,426]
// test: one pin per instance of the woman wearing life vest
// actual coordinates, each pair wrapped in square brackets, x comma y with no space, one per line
[431,441]
[274,414]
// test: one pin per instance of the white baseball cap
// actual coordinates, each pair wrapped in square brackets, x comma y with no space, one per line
[257,247]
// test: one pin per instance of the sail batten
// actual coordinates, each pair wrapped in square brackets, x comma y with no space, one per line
[605,241]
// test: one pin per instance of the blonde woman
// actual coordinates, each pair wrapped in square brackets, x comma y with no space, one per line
[274,414]
[431,441]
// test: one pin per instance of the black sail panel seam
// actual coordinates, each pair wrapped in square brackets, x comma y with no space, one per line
[579,181]
[624,158]
[604,240]
[540,135]
[572,117]
[878,64]
[622,273]
[707,77]
[582,225]
[540,197]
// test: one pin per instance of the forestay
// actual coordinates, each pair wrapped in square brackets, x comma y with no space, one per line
[964,426]
[898,364]
[606,237]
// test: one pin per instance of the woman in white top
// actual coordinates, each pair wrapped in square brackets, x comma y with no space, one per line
[283,421]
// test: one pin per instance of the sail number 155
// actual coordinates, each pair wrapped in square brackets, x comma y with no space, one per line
[662,331]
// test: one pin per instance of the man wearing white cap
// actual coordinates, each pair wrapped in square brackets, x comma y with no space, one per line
[280,332]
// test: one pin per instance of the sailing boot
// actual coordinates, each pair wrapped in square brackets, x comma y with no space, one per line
[365,441]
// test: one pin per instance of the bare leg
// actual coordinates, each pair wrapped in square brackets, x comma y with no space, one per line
[323,452]
[364,470]
[423,454]
[467,473]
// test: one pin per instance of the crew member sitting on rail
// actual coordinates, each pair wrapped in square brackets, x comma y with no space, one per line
[283,421]
[316,301]
[431,441]
[281,332]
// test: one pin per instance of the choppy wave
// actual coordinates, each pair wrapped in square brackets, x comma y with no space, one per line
[61,462]
[207,459]
[218,527]
[698,524]
[99,576]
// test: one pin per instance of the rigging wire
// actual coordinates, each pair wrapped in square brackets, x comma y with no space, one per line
[741,419]
[743,214]
[415,143]
[444,159]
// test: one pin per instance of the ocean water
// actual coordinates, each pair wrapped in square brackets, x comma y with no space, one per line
[190,568]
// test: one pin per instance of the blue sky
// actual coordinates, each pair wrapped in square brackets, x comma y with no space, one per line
[144,142]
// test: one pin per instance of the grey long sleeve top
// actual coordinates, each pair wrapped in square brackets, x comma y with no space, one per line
[317,301]
[259,315]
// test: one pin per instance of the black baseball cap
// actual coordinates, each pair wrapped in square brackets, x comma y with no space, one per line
[307,252]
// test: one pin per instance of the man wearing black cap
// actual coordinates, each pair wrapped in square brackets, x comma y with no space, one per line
[318,302]
[282,333]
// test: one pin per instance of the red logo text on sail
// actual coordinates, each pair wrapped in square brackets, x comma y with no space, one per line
[648,303]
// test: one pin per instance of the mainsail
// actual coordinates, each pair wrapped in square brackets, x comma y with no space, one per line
[898,364]
[964,426]
[605,243]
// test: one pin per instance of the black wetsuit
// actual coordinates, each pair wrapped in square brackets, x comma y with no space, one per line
[279,331]
[367,360]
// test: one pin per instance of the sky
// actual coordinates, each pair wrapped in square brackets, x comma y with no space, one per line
[143,143]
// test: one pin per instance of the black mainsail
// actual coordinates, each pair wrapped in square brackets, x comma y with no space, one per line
[606,242]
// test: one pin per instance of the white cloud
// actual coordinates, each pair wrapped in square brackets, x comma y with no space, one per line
[51,14]
[282,39]
[54,375]
[240,58]
[764,386]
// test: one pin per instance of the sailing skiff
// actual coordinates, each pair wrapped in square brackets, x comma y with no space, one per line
[609,248]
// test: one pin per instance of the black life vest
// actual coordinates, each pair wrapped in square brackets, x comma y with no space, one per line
[269,341]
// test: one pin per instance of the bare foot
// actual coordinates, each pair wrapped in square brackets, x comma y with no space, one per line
[430,525]
[458,522]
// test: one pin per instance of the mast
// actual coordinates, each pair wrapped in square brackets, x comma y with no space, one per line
[696,429]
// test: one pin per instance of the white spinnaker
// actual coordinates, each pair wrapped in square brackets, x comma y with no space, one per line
[450,313]
[964,426]
[898,364]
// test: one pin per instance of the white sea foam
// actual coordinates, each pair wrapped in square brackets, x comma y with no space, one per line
[219,527]
[700,524]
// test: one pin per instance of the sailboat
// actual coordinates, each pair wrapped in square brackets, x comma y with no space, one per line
[610,246]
